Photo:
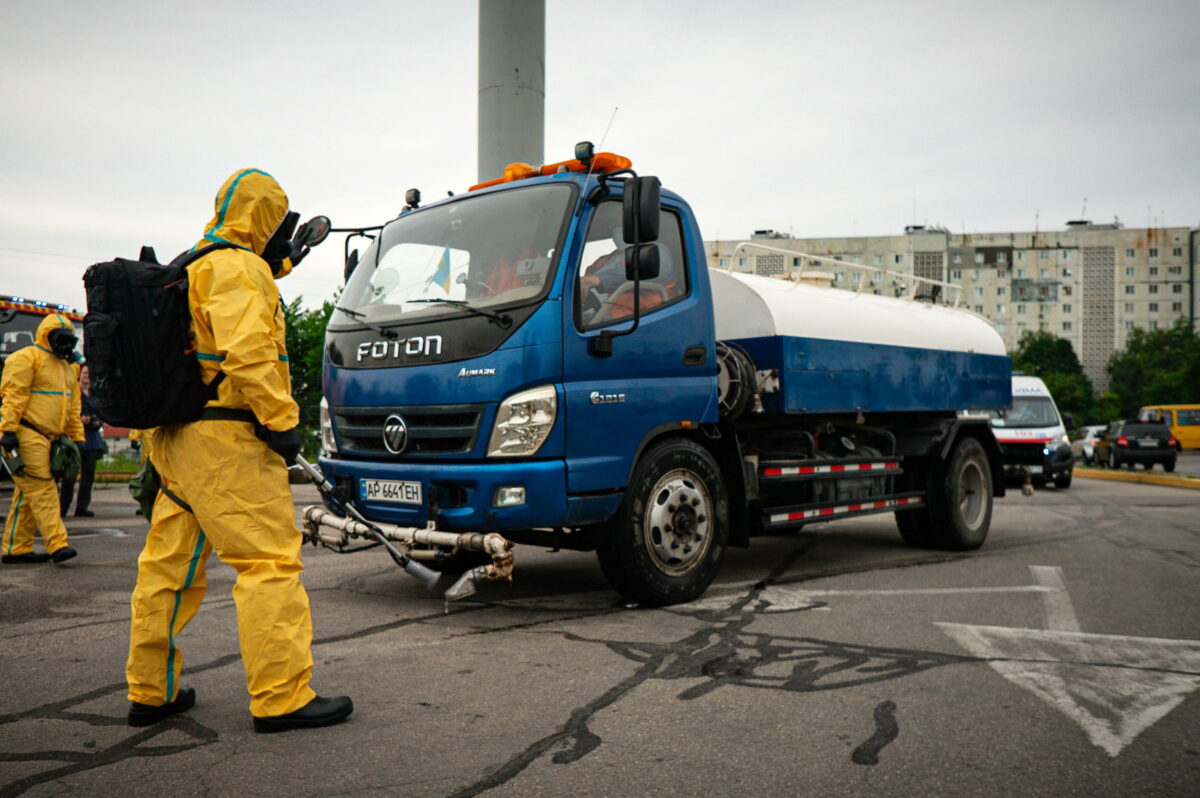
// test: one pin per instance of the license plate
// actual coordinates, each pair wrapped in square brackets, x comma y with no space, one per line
[390,490]
[1152,442]
[1035,469]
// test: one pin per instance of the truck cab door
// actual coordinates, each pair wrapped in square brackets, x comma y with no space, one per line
[661,375]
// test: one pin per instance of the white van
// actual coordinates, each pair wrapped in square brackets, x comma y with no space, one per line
[1032,435]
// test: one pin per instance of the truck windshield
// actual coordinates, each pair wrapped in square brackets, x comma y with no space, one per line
[18,331]
[485,252]
[1027,411]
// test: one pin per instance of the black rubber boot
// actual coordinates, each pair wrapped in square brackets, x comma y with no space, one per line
[63,554]
[147,714]
[316,713]
[30,557]
[84,513]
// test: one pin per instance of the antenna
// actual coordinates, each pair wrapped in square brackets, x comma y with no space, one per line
[600,147]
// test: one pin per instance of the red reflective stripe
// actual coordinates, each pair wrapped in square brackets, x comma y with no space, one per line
[772,472]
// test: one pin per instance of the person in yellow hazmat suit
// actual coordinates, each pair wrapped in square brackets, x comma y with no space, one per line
[39,401]
[225,488]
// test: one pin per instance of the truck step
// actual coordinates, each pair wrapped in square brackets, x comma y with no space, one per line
[778,517]
[828,469]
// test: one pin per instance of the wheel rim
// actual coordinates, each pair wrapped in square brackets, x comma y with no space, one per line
[678,522]
[971,500]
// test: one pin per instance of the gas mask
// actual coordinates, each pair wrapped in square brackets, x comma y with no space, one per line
[62,342]
[279,247]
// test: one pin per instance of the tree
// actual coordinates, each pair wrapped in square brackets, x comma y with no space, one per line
[1045,355]
[1156,367]
[306,355]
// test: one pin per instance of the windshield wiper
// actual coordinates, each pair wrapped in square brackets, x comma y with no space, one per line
[503,319]
[362,317]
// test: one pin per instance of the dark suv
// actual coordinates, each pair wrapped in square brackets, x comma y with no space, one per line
[1130,442]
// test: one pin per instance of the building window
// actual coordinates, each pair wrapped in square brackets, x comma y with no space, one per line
[1002,328]
[1130,271]
[1153,271]
[1020,256]
[956,274]
[1153,288]
[979,309]
[957,257]
[897,259]
[1002,308]
[857,277]
[1044,273]
[1128,325]
[724,262]
[1177,288]
[979,290]
[975,275]
[1177,252]
[1066,325]
[1001,290]
[1066,307]
[1154,307]
[1129,253]
[979,257]
[1001,257]
[1129,289]
[1020,310]
[1022,292]
[1176,307]
[878,260]
[1043,291]
[1044,255]
[1066,272]
[1020,272]
[1001,274]
[1067,255]
[1153,325]
[742,262]
[796,261]
[1154,252]
[1174,270]
[1129,307]
[1066,290]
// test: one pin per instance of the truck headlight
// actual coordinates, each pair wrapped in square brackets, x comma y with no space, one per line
[523,422]
[327,440]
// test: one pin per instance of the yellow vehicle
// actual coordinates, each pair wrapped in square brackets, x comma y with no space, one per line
[1184,421]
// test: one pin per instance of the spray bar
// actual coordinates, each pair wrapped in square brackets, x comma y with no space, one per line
[318,521]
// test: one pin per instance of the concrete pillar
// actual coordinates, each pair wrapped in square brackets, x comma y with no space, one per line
[512,84]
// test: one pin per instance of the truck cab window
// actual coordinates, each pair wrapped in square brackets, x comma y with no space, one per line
[602,294]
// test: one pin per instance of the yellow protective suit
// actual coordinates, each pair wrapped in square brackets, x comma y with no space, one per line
[40,388]
[236,487]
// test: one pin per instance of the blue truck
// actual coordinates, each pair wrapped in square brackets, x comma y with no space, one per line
[548,358]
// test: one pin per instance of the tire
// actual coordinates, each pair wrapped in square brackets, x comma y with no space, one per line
[667,541]
[958,509]
[1114,462]
[1062,480]
[1169,465]
[1088,459]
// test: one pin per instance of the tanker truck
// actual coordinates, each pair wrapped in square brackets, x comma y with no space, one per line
[547,359]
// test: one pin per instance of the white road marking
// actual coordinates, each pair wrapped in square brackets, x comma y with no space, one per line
[1115,687]
[1060,613]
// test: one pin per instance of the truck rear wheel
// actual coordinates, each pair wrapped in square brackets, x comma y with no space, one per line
[668,539]
[958,503]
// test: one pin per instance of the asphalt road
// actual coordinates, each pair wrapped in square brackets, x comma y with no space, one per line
[1061,659]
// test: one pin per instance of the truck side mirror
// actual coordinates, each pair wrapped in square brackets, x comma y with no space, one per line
[351,263]
[640,208]
[641,262]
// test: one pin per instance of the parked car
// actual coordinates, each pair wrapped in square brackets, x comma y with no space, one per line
[1184,421]
[1127,443]
[1083,442]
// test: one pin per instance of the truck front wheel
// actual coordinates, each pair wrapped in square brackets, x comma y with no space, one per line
[958,503]
[668,539]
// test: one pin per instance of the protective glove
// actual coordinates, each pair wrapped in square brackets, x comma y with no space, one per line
[286,444]
[9,441]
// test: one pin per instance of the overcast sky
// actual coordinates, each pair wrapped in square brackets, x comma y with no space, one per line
[121,119]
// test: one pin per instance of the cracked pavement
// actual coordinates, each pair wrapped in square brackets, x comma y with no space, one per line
[812,666]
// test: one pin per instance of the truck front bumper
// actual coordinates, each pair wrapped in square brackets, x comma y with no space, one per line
[462,495]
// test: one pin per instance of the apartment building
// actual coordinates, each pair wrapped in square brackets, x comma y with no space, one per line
[1088,283]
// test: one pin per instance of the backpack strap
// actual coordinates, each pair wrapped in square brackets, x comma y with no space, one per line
[186,259]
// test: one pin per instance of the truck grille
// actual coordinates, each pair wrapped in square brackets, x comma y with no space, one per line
[432,429]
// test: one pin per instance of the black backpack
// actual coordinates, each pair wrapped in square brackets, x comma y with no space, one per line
[137,341]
